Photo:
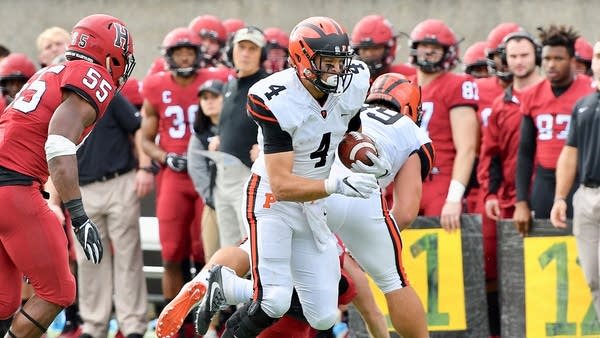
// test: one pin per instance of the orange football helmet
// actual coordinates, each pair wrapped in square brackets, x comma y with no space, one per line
[321,36]
[104,40]
[395,91]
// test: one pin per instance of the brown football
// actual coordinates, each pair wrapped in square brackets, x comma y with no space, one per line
[354,147]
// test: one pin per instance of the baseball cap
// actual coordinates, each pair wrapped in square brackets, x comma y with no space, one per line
[213,86]
[251,34]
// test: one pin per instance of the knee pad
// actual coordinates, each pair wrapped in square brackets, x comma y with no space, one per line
[277,301]
[249,321]
[324,322]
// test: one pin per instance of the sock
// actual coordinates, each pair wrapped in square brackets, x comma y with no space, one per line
[236,289]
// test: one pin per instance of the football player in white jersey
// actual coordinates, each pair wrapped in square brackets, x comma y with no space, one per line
[369,230]
[302,113]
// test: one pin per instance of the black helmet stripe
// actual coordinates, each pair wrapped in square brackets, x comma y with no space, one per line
[337,27]
[394,85]
[315,28]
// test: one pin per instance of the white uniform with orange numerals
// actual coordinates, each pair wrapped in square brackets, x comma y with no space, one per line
[290,241]
[365,225]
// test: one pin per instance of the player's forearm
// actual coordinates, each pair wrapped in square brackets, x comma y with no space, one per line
[297,189]
[143,159]
[153,150]
[463,164]
[65,176]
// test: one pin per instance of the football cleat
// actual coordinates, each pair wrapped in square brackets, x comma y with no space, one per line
[172,316]
[212,302]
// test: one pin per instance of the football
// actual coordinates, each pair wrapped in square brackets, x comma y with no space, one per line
[354,147]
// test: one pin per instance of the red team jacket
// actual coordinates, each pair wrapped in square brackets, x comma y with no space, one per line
[489,89]
[24,125]
[501,139]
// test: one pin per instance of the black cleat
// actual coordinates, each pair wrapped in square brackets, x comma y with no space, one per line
[212,302]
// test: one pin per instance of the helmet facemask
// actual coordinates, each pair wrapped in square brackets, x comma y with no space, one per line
[183,71]
[335,83]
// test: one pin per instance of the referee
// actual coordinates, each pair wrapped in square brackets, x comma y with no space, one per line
[581,156]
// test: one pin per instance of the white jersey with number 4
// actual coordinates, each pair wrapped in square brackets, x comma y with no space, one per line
[315,130]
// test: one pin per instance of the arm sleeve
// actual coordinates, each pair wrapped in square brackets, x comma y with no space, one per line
[275,139]
[495,175]
[125,114]
[525,158]
[354,124]
[198,167]
[489,153]
[427,157]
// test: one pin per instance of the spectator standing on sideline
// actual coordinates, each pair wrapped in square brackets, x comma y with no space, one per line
[497,160]
[107,176]
[449,117]
[546,111]
[52,43]
[201,169]
[39,135]
[237,134]
[580,156]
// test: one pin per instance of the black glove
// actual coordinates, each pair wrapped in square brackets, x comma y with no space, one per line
[176,162]
[86,231]
[89,238]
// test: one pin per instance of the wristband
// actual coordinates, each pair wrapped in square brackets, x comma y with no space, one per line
[455,191]
[147,169]
[560,199]
[330,186]
[78,215]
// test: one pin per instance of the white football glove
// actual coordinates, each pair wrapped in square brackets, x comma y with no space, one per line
[380,167]
[354,185]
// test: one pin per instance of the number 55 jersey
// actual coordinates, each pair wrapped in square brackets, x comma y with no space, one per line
[24,123]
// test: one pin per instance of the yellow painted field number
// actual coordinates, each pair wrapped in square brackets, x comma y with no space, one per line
[557,298]
[433,261]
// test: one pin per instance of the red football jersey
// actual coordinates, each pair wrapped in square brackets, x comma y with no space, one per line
[501,138]
[177,105]
[447,91]
[552,115]
[2,103]
[489,89]
[24,124]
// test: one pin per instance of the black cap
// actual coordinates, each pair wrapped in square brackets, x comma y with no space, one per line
[213,86]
